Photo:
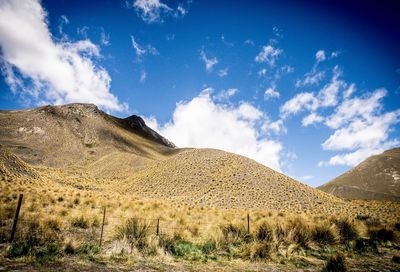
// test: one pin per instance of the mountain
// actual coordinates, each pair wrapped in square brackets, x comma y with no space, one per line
[79,145]
[378,177]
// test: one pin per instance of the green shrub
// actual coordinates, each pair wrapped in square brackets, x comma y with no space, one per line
[336,263]
[88,249]
[48,253]
[18,249]
[187,250]
[209,246]
[37,240]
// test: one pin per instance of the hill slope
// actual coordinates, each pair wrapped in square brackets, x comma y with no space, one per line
[378,177]
[78,144]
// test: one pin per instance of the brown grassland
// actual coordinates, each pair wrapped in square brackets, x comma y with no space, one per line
[73,161]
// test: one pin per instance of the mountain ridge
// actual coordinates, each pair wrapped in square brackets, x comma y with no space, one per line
[377,177]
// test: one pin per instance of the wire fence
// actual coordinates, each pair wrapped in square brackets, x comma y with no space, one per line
[102,228]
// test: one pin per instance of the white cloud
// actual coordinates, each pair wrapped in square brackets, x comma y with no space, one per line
[364,108]
[311,119]
[349,91]
[361,128]
[54,72]
[298,103]
[151,11]
[262,72]
[203,122]
[355,157]
[249,42]
[154,11]
[104,38]
[320,55]
[209,62]
[143,76]
[143,50]
[268,54]
[362,133]
[328,96]
[311,78]
[223,72]
[276,127]
[224,95]
[271,93]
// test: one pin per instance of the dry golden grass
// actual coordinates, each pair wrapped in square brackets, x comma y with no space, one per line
[85,161]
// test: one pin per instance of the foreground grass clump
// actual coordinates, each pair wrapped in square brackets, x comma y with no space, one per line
[136,232]
[324,234]
[38,240]
[347,230]
[382,234]
[336,263]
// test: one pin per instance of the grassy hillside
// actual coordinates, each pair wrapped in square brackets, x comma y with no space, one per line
[72,161]
[378,177]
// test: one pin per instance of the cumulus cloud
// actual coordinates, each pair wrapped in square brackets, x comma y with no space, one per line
[268,54]
[328,96]
[208,62]
[49,71]
[311,78]
[271,93]
[312,118]
[204,122]
[320,55]
[225,95]
[155,11]
[299,102]
[360,126]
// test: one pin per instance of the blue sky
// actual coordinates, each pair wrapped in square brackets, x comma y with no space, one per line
[306,88]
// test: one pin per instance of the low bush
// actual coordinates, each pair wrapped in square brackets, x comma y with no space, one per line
[88,249]
[257,251]
[347,230]
[234,235]
[336,263]
[299,232]
[381,234]
[136,232]
[37,240]
[265,232]
[363,245]
[324,234]
[80,222]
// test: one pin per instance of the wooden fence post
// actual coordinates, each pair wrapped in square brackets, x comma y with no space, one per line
[158,226]
[14,227]
[102,226]
[248,223]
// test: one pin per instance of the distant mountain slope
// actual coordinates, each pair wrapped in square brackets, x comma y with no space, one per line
[60,135]
[378,177]
[81,145]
